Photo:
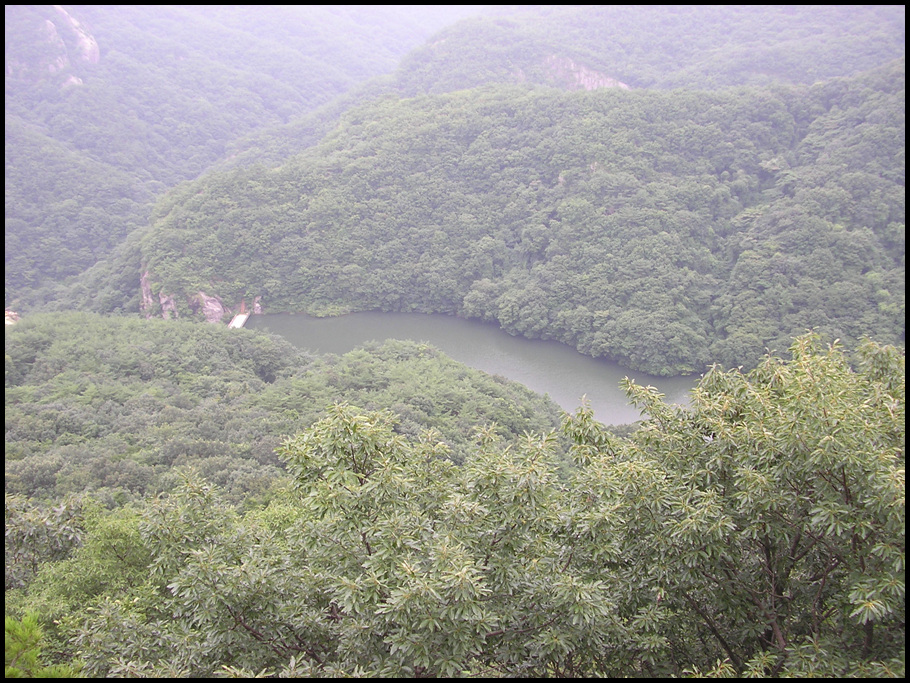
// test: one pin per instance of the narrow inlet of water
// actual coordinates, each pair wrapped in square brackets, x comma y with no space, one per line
[547,367]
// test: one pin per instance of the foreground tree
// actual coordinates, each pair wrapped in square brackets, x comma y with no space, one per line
[23,646]
[767,517]
[758,531]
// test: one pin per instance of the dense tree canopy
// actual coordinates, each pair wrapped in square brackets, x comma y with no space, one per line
[157,100]
[759,531]
[114,405]
[664,230]
[682,189]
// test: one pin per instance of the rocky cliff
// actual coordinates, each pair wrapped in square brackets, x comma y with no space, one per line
[87,49]
[210,307]
[572,76]
[47,41]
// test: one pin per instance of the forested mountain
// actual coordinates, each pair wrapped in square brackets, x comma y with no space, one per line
[649,46]
[661,229]
[113,405]
[657,46]
[162,93]
[151,95]
[682,189]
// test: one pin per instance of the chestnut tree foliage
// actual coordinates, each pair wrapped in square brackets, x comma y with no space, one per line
[757,531]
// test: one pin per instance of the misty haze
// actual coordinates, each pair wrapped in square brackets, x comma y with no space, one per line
[455,341]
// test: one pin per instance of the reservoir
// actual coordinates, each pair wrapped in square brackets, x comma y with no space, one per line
[547,367]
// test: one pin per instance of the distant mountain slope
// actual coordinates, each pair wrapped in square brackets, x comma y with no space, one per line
[163,88]
[657,46]
[64,214]
[155,94]
[702,47]
[661,229]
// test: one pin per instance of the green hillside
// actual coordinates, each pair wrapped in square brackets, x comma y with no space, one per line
[703,47]
[112,405]
[150,96]
[707,190]
[664,230]
[582,47]
[739,536]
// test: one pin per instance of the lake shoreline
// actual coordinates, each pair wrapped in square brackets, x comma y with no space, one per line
[543,365]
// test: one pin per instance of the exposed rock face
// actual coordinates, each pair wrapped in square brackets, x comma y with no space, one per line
[167,306]
[213,309]
[148,306]
[147,300]
[87,45]
[577,77]
[57,45]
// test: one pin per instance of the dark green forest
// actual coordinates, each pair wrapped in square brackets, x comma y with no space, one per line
[85,415]
[713,191]
[92,138]
[661,229]
[758,531]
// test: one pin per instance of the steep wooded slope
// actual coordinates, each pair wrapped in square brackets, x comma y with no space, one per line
[662,229]
[149,96]
[657,46]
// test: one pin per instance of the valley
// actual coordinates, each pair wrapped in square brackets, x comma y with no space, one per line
[455,341]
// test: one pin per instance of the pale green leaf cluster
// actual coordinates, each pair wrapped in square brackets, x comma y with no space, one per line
[756,532]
